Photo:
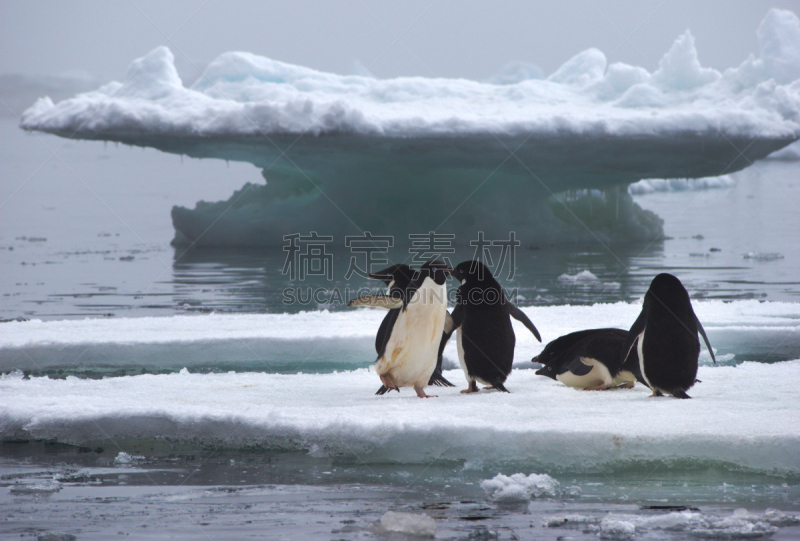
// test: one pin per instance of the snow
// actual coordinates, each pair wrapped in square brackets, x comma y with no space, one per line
[519,487]
[309,341]
[245,94]
[416,524]
[745,415]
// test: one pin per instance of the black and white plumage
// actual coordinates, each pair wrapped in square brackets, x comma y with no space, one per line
[397,278]
[482,319]
[663,339]
[410,335]
[589,359]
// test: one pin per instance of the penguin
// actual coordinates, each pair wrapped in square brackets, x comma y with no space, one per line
[662,342]
[587,360]
[397,278]
[412,337]
[482,319]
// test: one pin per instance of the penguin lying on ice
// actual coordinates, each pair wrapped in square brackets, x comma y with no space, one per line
[663,340]
[589,360]
[397,278]
[412,336]
[485,336]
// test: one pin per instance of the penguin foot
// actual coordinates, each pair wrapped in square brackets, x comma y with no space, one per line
[601,387]
[471,388]
[421,393]
[656,393]
[628,385]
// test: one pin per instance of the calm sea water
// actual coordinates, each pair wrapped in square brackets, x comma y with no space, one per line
[85,232]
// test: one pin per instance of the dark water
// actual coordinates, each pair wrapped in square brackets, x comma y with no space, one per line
[85,232]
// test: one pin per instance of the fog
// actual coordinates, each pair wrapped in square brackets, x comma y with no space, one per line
[96,40]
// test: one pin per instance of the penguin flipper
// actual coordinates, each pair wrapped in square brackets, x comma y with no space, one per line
[579,368]
[636,330]
[705,338]
[519,315]
[377,301]
[437,378]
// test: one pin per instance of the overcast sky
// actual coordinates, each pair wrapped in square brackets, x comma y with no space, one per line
[443,38]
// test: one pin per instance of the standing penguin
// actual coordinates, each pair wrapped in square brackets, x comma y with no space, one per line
[412,336]
[587,360]
[397,278]
[485,335]
[664,339]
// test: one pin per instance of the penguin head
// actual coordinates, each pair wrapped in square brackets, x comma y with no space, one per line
[546,370]
[471,272]
[436,269]
[666,292]
[391,274]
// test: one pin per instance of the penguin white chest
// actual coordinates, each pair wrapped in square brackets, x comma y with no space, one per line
[598,375]
[460,347]
[410,355]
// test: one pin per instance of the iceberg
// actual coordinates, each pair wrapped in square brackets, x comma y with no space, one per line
[348,154]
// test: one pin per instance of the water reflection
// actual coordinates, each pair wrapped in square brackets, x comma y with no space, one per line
[228,280]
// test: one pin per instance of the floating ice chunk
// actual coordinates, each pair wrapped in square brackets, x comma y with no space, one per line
[418,524]
[773,517]
[585,521]
[520,488]
[651,185]
[38,487]
[739,525]
[760,256]
[124,458]
[583,277]
[587,278]
[611,528]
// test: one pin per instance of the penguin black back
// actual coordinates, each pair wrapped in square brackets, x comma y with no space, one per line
[486,337]
[665,338]
[588,359]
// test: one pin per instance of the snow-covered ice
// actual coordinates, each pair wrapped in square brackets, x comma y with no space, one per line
[245,94]
[746,415]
